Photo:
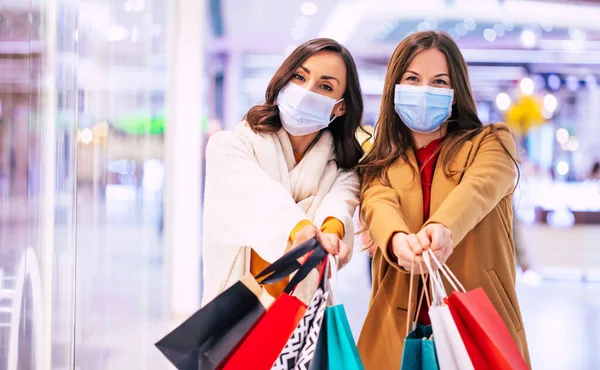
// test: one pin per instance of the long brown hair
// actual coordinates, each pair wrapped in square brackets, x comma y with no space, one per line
[393,138]
[265,117]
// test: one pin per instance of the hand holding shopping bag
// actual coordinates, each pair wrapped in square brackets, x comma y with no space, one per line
[484,333]
[265,341]
[449,346]
[205,339]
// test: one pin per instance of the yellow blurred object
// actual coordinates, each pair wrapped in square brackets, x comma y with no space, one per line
[525,114]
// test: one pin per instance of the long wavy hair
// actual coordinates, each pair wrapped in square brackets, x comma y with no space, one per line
[265,117]
[393,138]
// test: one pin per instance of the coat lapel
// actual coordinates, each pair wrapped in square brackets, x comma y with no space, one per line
[442,185]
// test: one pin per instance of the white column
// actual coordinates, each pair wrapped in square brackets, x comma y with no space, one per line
[48,181]
[183,142]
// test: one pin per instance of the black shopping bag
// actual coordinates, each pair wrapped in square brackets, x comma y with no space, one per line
[205,339]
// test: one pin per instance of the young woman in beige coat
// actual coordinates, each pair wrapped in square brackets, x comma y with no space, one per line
[435,179]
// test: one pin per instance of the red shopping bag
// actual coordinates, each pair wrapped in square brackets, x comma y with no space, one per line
[262,345]
[486,337]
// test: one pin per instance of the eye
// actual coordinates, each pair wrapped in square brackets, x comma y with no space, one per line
[326,87]
[440,82]
[297,77]
[412,78]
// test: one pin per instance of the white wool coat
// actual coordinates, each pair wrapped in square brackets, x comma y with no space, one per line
[255,194]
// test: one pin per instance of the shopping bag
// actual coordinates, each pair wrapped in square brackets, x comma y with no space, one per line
[419,350]
[262,345]
[299,349]
[205,339]
[342,353]
[484,333]
[320,357]
[449,346]
[419,347]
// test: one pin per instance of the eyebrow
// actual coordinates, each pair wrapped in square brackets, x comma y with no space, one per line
[322,77]
[438,75]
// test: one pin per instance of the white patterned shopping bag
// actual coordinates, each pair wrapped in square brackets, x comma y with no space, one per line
[300,348]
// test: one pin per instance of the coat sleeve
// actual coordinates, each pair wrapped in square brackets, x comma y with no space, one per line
[340,203]
[251,208]
[489,179]
[382,212]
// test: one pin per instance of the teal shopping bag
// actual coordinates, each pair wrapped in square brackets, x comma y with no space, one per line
[342,353]
[419,350]
[341,347]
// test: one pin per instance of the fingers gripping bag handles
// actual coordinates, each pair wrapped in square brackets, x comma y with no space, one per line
[206,338]
[264,342]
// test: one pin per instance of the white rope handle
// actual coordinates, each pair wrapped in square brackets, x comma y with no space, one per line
[436,282]
[331,282]
[448,274]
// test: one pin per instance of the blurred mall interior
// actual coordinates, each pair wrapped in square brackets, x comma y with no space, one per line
[106,106]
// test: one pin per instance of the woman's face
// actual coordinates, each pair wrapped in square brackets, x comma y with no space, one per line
[428,68]
[324,73]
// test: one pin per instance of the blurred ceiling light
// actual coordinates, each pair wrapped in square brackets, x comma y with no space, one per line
[554,82]
[308,8]
[298,33]
[139,6]
[547,26]
[489,34]
[470,24]
[562,135]
[86,135]
[509,25]
[573,144]
[503,101]
[550,103]
[302,21]
[117,33]
[537,31]
[539,82]
[591,81]
[562,168]
[528,39]
[527,86]
[572,83]
[461,29]
[433,22]
[499,29]
[423,26]
[101,129]
[577,34]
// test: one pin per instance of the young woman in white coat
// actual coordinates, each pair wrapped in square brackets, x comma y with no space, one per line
[287,172]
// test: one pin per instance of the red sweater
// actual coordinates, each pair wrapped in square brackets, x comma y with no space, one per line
[427,159]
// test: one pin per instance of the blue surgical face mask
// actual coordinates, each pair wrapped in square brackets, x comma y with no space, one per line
[304,112]
[423,109]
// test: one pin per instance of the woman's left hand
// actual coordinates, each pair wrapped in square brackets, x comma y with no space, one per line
[335,246]
[439,240]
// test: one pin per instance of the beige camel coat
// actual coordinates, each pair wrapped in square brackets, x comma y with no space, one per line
[476,205]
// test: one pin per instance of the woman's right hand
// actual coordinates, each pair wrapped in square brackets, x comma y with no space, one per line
[331,242]
[406,248]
